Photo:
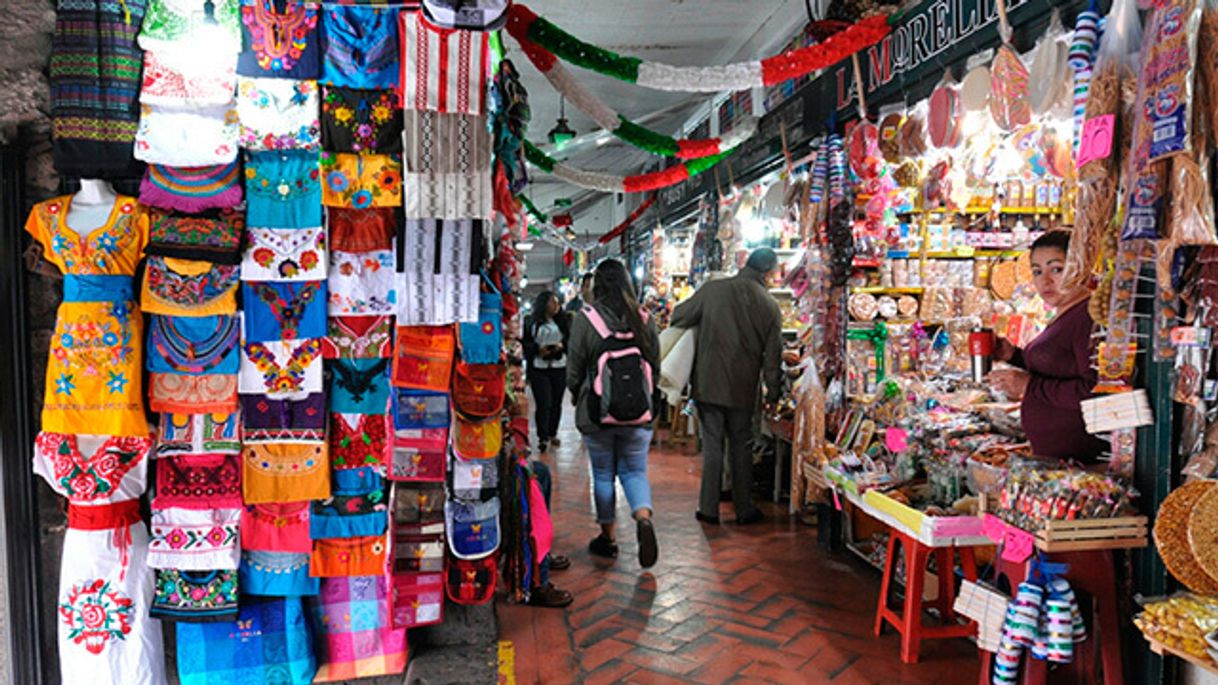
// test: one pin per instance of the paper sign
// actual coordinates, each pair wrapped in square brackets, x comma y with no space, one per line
[1096,139]
[837,502]
[896,439]
[1190,336]
[993,527]
[1017,545]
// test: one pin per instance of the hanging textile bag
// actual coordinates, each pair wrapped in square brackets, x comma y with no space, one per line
[469,479]
[414,504]
[413,409]
[268,643]
[482,341]
[474,440]
[419,455]
[418,548]
[472,582]
[478,389]
[423,358]
[417,599]
[472,528]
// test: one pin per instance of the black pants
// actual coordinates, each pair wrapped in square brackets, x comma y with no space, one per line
[548,388]
[736,425]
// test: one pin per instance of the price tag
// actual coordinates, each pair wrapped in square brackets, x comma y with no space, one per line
[1096,139]
[1017,545]
[993,527]
[837,502]
[965,251]
[896,439]
[1190,336]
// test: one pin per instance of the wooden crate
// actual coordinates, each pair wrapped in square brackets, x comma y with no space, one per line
[1125,532]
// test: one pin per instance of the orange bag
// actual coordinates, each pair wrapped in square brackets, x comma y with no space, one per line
[477,439]
[478,389]
[342,557]
[423,357]
[285,472]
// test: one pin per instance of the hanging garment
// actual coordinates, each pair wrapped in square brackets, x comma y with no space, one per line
[192,189]
[198,481]
[198,434]
[280,44]
[361,283]
[360,386]
[278,114]
[95,79]
[182,394]
[423,358]
[285,472]
[187,135]
[358,337]
[182,79]
[366,122]
[184,25]
[358,440]
[362,230]
[193,345]
[438,262]
[443,70]
[195,539]
[359,506]
[277,574]
[361,46]
[95,366]
[105,586]
[364,556]
[184,287]
[355,636]
[276,528]
[213,235]
[195,596]
[361,181]
[281,369]
[270,642]
[446,160]
[284,310]
[268,420]
[282,189]
[285,254]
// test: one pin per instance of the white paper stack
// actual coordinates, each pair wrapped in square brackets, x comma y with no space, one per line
[1107,413]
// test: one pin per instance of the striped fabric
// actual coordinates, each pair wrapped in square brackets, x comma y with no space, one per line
[443,70]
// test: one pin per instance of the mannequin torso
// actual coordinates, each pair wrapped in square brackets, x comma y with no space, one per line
[91,206]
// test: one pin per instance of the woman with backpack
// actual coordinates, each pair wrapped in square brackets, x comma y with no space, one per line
[612,370]
[545,349]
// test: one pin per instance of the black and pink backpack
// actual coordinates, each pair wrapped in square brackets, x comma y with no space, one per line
[620,379]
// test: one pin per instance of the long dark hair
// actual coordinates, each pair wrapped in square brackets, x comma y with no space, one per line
[613,290]
[540,303]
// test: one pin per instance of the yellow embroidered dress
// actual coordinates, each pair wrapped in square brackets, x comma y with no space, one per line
[93,373]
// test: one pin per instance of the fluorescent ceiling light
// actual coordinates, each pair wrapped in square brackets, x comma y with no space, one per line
[523,246]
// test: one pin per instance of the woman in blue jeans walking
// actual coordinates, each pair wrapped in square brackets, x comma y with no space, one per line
[619,451]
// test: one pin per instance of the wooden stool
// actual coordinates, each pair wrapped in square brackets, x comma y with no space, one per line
[1093,578]
[909,622]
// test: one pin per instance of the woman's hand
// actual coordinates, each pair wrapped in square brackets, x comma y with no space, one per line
[1010,382]
[1004,351]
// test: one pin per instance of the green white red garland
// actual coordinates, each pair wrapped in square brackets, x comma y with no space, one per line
[524,24]
[540,228]
[621,127]
[613,183]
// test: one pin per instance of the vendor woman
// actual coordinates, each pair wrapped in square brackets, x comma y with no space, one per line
[1053,374]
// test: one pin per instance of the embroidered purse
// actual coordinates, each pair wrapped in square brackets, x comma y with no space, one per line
[355,634]
[420,409]
[198,481]
[198,433]
[179,287]
[214,235]
[192,189]
[424,357]
[276,528]
[360,386]
[364,556]
[193,345]
[280,44]
[471,582]
[194,539]
[269,642]
[284,310]
[276,574]
[418,599]
[482,342]
[358,337]
[182,394]
[478,389]
[361,121]
[358,440]
[475,440]
[419,455]
[195,596]
[359,507]
[472,528]
[285,472]
[472,479]
[283,189]
[418,549]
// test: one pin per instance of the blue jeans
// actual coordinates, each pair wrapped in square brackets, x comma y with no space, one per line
[619,451]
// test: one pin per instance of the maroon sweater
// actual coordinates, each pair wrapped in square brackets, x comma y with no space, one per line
[1059,363]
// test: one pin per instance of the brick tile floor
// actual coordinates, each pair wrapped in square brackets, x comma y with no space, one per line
[725,604]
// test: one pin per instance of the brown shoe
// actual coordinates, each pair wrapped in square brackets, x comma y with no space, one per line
[559,562]
[550,597]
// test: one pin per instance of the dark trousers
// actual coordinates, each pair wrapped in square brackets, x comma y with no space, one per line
[548,388]
[737,426]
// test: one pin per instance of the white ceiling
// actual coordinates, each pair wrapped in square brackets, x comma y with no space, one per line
[680,32]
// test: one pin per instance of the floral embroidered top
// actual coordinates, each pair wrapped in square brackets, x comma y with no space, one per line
[362,230]
[284,311]
[361,121]
[361,46]
[278,114]
[214,235]
[179,78]
[93,382]
[282,189]
[184,24]
[183,287]
[281,369]
[186,136]
[361,283]
[279,254]
[280,44]
[93,469]
[361,181]
[358,337]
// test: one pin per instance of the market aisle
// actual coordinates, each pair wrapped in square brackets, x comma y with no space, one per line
[760,604]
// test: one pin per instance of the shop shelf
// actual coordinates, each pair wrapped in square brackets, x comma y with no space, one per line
[1163,650]
[888,291]
[974,254]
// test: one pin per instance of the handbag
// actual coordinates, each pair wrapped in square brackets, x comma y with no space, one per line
[478,389]
[418,548]
[481,342]
[414,504]
[477,439]
[413,409]
[472,528]
[417,599]
[418,455]
[471,582]
[269,642]
[423,357]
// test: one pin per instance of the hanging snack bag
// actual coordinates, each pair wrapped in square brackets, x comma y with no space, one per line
[1167,76]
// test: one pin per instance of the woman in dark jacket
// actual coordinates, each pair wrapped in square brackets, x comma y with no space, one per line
[619,450]
[546,331]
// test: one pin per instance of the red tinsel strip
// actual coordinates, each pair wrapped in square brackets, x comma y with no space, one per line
[697,149]
[625,225]
[807,59]
[505,203]
[541,58]
[655,180]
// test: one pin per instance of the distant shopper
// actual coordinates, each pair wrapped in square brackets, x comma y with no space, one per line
[584,296]
[545,349]
[612,372]
[739,341]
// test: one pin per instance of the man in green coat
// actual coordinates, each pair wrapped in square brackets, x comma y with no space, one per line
[739,341]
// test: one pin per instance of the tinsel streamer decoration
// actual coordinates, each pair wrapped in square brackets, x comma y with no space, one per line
[541,229]
[524,24]
[625,130]
[613,183]
[625,225]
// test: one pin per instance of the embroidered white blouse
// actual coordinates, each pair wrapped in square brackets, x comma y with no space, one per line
[281,369]
[187,136]
[361,283]
[278,114]
[285,254]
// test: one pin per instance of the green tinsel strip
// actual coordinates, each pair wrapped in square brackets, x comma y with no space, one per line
[697,166]
[538,158]
[532,208]
[584,54]
[645,139]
